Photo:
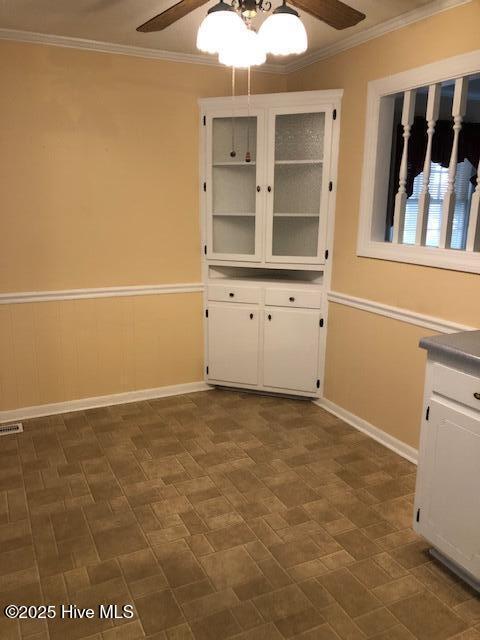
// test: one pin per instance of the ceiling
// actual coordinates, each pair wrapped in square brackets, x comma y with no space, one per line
[114,21]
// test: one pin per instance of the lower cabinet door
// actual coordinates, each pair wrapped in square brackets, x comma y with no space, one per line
[449,502]
[290,359]
[233,343]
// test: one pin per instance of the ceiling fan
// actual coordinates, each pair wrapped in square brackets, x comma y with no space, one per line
[334,12]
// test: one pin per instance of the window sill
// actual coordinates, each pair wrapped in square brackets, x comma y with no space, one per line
[425,256]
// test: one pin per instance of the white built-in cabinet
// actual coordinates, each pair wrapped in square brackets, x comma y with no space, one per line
[447,498]
[267,177]
[268,193]
[265,335]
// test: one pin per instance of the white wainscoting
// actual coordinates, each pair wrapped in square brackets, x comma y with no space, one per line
[101,401]
[402,315]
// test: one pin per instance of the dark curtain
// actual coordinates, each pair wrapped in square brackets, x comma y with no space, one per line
[468,148]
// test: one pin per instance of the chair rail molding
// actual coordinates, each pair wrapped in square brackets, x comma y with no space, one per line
[398,313]
[102,292]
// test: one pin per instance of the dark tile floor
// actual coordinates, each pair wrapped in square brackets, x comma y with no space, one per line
[218,515]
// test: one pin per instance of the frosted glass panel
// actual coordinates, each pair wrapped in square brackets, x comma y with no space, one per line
[297,188]
[299,136]
[234,134]
[234,189]
[295,236]
[234,234]
[299,140]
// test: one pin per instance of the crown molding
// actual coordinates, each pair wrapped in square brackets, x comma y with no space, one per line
[403,20]
[31,37]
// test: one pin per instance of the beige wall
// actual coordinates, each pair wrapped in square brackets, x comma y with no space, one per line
[100,158]
[99,175]
[374,367]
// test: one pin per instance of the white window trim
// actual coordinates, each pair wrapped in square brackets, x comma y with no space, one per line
[377,154]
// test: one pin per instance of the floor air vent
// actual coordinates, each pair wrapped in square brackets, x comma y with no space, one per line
[7,429]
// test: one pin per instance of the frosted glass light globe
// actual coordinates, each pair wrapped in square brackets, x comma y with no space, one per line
[283,33]
[220,25]
[243,51]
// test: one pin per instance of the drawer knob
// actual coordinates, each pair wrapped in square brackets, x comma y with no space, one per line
[269,189]
[231,294]
[259,188]
[476,395]
[269,317]
[292,299]
[251,316]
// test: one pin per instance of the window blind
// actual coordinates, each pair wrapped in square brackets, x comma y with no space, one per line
[437,187]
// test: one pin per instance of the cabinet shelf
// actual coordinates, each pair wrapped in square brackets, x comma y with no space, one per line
[236,215]
[317,161]
[234,164]
[295,215]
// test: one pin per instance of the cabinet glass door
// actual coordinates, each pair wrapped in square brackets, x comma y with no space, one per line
[234,190]
[299,153]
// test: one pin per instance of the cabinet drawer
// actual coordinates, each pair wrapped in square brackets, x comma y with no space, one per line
[293,298]
[223,293]
[456,385]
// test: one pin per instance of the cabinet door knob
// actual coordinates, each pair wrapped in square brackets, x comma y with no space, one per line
[251,316]
[259,188]
[476,395]
[269,189]
[292,299]
[232,295]
[269,317]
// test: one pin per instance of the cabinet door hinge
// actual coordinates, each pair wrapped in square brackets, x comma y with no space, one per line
[318,384]
[418,515]
[330,186]
[204,186]
[427,413]
[334,114]
[207,371]
[205,249]
[206,313]
[204,120]
[321,322]
[326,254]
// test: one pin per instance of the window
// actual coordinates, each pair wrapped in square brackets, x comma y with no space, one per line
[420,202]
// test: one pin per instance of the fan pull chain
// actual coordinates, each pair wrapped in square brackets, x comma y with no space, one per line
[248,156]
[233,153]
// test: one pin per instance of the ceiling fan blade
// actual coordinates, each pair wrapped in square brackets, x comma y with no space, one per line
[174,13]
[335,13]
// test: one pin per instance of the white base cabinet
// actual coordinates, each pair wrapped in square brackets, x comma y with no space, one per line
[447,499]
[267,345]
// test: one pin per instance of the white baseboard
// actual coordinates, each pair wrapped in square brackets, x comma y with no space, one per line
[101,401]
[69,406]
[404,450]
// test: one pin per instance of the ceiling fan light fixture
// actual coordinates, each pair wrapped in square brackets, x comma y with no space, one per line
[220,25]
[249,9]
[283,33]
[243,51]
